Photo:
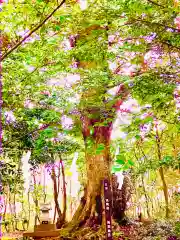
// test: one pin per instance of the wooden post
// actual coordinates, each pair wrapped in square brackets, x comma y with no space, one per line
[108,209]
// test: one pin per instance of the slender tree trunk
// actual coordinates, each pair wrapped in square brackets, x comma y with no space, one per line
[165,190]
[58,190]
[146,197]
[11,211]
[71,199]
[59,176]
[53,176]
[60,220]
[54,218]
[29,209]
[55,211]
[35,200]
[161,172]
[25,220]
[4,213]
[64,192]
[44,184]
[14,204]
[5,207]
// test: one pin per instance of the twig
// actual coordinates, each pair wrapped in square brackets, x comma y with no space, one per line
[155,3]
[157,23]
[170,45]
[38,67]
[32,31]
[36,130]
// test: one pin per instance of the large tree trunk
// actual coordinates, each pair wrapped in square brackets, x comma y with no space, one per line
[97,153]
[96,130]
[90,211]
[98,166]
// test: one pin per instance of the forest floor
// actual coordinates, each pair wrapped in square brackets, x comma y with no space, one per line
[160,230]
[156,231]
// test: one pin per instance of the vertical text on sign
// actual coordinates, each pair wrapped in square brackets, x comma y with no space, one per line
[108,210]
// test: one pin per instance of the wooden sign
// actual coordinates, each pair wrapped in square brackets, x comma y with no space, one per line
[108,209]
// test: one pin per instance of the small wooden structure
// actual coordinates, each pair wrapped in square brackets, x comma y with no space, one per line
[45,228]
[41,233]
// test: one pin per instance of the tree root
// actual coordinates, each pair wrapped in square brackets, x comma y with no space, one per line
[87,233]
[92,233]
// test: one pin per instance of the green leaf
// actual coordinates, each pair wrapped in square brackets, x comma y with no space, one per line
[120,159]
[130,162]
[62,18]
[166,160]
[66,132]
[48,132]
[91,130]
[126,167]
[100,147]
[138,137]
[116,169]
[148,119]
[57,28]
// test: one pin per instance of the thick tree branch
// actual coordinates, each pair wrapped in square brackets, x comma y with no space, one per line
[32,31]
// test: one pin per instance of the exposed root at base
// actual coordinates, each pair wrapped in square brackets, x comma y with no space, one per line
[86,233]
